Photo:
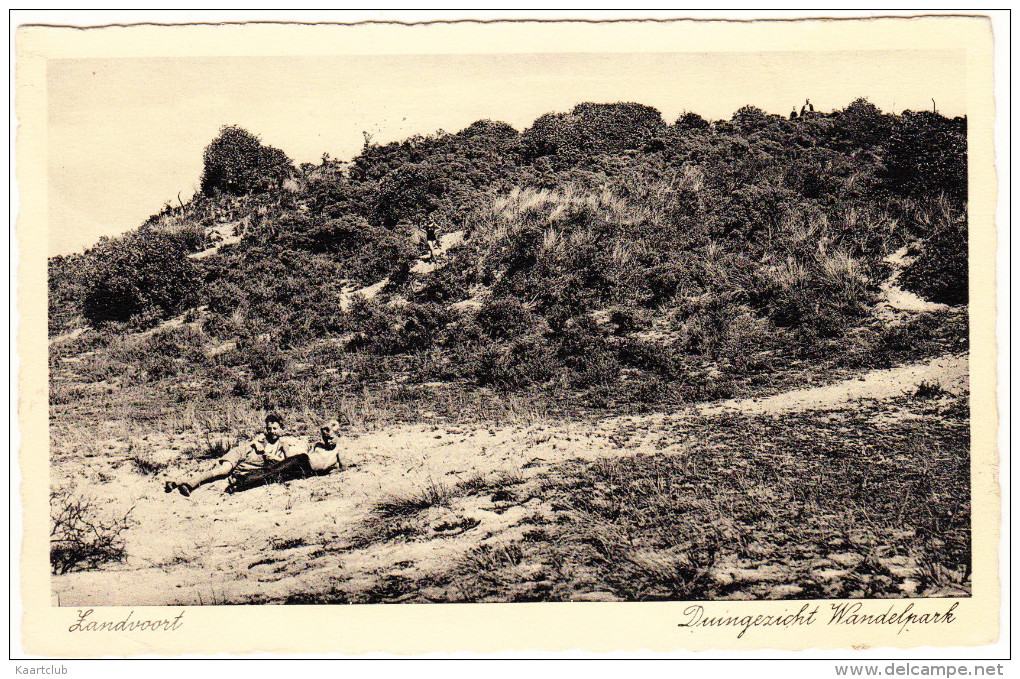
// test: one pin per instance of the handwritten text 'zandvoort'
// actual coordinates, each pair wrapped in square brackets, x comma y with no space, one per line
[85,623]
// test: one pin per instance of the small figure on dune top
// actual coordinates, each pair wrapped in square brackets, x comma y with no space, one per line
[427,231]
[271,456]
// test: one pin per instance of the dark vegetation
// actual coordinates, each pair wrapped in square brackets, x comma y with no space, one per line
[237,163]
[608,256]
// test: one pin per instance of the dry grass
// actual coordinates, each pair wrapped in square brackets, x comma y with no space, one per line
[145,461]
[811,505]
[431,494]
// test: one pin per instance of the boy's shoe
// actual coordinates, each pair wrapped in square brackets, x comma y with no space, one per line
[169,487]
[184,489]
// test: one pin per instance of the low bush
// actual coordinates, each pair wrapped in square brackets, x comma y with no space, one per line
[929,390]
[384,329]
[101,368]
[524,361]
[191,236]
[82,536]
[595,369]
[823,295]
[374,324]
[583,348]
[156,367]
[183,342]
[502,319]
[419,327]
[242,388]
[278,393]
[669,361]
[264,359]
[432,494]
[628,318]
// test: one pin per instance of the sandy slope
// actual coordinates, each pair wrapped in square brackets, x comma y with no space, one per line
[300,537]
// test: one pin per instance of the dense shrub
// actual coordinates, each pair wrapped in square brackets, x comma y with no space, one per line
[438,178]
[139,274]
[524,361]
[374,325]
[590,129]
[419,327]
[158,367]
[626,319]
[237,163]
[66,288]
[585,352]
[447,284]
[861,126]
[501,318]
[183,342]
[489,128]
[565,253]
[408,328]
[824,293]
[264,358]
[410,193]
[940,271]
[691,121]
[749,118]
[292,292]
[191,236]
[927,155]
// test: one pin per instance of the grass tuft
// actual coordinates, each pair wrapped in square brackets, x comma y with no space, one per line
[432,494]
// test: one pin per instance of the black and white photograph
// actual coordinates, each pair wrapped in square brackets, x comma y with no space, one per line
[471,328]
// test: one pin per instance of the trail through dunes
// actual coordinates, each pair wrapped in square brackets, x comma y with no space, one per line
[424,265]
[949,372]
[446,241]
[895,300]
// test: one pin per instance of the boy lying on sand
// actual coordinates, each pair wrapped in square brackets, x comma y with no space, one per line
[270,457]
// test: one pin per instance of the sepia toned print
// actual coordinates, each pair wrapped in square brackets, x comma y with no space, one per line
[617,350]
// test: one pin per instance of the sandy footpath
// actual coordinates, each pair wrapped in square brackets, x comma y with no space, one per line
[949,372]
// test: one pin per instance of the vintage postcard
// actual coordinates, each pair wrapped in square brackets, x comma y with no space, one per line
[666,335]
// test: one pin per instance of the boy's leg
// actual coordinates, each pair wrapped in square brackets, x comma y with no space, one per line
[192,481]
[221,470]
[223,467]
[296,467]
